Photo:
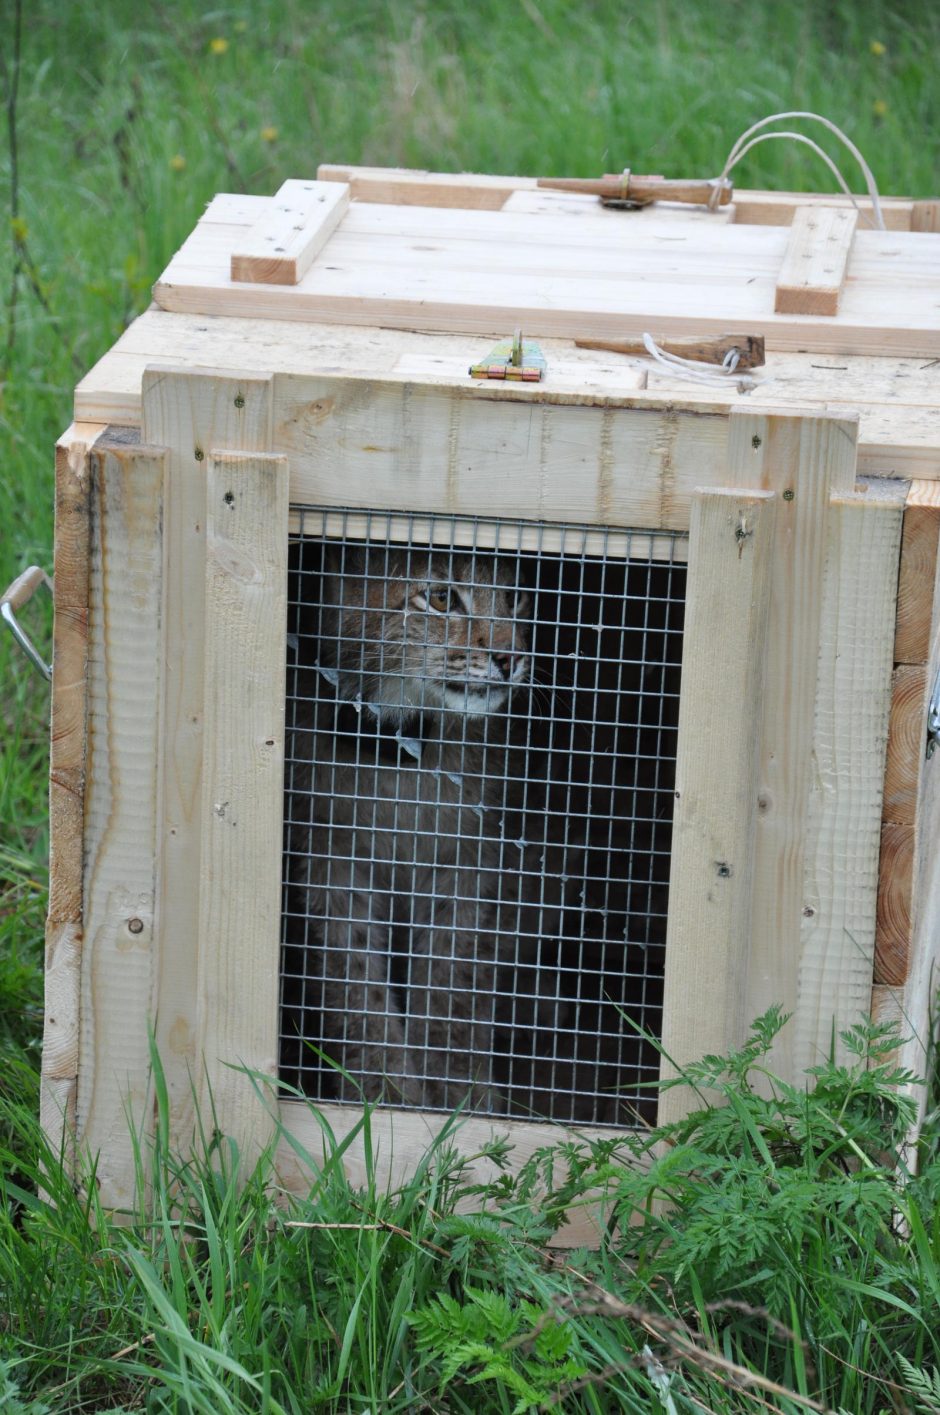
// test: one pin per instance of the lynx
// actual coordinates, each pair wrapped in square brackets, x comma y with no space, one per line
[403,873]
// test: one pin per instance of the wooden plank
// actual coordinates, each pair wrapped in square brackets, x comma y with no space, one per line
[804,459]
[418,447]
[925,216]
[816,261]
[918,572]
[242,791]
[899,428]
[406,186]
[895,904]
[906,742]
[63,942]
[124,677]
[842,833]
[398,1138]
[730,555]
[491,271]
[192,415]
[282,245]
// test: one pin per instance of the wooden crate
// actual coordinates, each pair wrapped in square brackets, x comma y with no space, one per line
[805,859]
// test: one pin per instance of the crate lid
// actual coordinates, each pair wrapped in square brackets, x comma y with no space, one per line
[558,265]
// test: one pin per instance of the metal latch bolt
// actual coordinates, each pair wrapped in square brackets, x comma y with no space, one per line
[17,596]
[517,359]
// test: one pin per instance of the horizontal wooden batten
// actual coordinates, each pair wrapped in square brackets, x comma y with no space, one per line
[405,186]
[420,448]
[385,1153]
[816,261]
[282,245]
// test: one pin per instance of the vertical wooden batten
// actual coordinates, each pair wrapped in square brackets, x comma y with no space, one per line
[805,457]
[124,679]
[191,412]
[242,791]
[730,559]
[58,1091]
[849,736]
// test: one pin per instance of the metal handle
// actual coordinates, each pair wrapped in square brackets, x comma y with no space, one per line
[16,597]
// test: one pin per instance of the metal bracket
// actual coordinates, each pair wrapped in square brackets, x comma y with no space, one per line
[517,359]
[17,596]
[933,716]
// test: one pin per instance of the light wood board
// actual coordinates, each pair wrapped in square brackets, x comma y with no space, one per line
[485,271]
[724,640]
[242,793]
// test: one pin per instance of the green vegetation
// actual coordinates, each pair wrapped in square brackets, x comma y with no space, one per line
[789,1248]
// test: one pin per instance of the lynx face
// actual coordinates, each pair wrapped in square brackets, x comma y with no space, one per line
[425,632]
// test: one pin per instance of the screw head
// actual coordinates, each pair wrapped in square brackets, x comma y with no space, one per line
[239,400]
[756,441]
[199,454]
[789,494]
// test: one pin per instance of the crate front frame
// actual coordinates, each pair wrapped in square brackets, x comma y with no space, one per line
[168,734]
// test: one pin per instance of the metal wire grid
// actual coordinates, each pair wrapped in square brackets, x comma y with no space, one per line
[479,788]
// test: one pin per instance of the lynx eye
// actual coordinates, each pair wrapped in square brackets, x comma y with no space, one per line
[439,598]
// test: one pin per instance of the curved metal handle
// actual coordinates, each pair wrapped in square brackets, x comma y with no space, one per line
[19,594]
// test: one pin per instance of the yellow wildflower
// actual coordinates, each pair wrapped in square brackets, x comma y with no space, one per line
[178,162]
[879,108]
[19,228]
[877,48]
[219,45]
[269,134]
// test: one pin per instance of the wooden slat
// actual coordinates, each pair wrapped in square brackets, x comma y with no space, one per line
[125,678]
[191,415]
[925,216]
[804,459]
[724,639]
[422,447]
[282,245]
[816,261]
[918,572]
[487,271]
[906,742]
[842,830]
[405,186]
[63,943]
[396,1137]
[242,790]
[895,904]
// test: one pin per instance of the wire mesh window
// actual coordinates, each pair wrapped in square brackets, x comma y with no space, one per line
[481,753]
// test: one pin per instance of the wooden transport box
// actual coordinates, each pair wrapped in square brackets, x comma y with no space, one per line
[485,883]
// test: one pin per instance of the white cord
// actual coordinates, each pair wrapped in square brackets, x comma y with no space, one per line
[714,376]
[742,146]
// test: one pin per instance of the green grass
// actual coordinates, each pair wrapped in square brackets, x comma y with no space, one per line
[127,120]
